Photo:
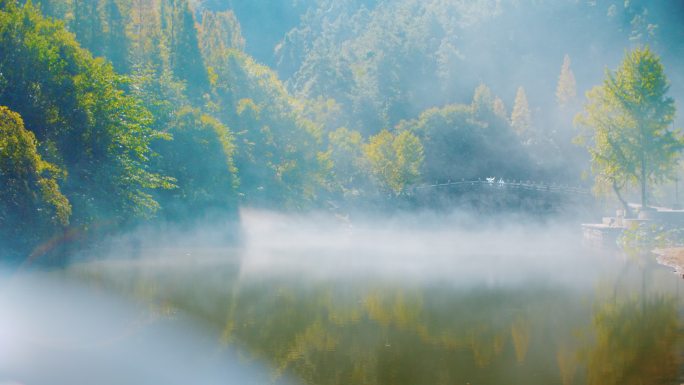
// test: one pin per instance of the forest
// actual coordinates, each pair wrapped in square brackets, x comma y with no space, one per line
[117,113]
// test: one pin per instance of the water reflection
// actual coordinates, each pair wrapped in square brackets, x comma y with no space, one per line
[57,332]
[622,328]
[636,342]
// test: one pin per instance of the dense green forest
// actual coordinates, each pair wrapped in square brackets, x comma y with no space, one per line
[115,113]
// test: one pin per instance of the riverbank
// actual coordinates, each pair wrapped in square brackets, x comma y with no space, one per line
[672,257]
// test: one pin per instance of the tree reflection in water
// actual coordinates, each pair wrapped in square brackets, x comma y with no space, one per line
[636,342]
[371,332]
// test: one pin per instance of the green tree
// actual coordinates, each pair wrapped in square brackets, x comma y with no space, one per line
[46,7]
[116,47]
[200,159]
[627,125]
[345,151]
[394,160]
[219,31]
[467,141]
[186,60]
[278,150]
[486,106]
[87,24]
[31,204]
[76,107]
[409,160]
[144,29]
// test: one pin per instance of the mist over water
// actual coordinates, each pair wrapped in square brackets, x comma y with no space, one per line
[57,331]
[412,246]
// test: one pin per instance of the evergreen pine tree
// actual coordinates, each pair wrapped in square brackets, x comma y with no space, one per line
[521,118]
[87,25]
[566,91]
[116,41]
[185,56]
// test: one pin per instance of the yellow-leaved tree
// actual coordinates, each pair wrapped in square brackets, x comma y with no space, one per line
[627,122]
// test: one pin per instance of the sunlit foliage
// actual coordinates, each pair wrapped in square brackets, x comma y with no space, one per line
[76,108]
[395,160]
[521,116]
[31,204]
[200,159]
[467,141]
[635,343]
[628,125]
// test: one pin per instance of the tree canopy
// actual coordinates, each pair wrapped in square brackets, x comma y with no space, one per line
[628,125]
[30,199]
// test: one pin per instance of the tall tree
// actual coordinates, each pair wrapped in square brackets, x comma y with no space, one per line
[627,121]
[145,34]
[87,24]
[206,180]
[219,31]
[566,91]
[116,41]
[521,117]
[345,151]
[46,7]
[185,56]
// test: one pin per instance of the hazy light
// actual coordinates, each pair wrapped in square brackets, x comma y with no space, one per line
[53,332]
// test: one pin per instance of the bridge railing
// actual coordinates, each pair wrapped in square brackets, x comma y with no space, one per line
[503,184]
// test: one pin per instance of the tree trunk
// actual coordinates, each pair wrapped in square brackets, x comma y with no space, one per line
[616,189]
[643,182]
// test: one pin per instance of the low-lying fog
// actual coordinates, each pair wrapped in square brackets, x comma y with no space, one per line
[57,332]
[418,246]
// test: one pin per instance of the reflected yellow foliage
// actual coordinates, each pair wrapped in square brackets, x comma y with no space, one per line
[567,364]
[378,333]
[636,342]
[520,332]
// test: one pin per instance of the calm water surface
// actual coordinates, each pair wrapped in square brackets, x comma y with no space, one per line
[339,304]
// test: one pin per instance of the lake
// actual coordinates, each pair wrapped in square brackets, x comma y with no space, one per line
[324,300]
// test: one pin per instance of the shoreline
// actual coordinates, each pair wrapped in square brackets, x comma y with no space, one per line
[672,257]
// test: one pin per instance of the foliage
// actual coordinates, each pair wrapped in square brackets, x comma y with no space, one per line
[277,147]
[635,342]
[75,106]
[220,31]
[640,238]
[394,160]
[348,162]
[378,331]
[352,112]
[467,142]
[385,61]
[566,90]
[185,58]
[627,125]
[521,117]
[200,159]
[31,204]
[116,44]
[367,61]
[161,93]
[146,29]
